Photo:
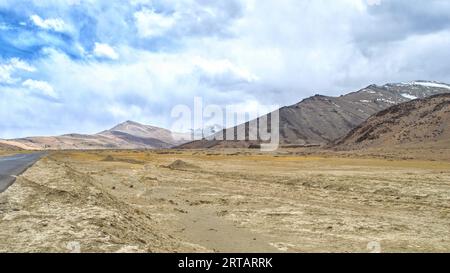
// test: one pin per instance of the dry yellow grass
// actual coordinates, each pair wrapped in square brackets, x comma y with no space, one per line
[242,201]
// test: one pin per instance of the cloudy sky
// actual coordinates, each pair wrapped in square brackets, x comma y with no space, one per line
[86,65]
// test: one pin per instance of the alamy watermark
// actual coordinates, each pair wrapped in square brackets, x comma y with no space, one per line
[260,124]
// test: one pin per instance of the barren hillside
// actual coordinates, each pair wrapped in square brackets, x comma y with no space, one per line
[320,119]
[422,122]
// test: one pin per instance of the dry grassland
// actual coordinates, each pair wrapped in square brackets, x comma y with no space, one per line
[233,201]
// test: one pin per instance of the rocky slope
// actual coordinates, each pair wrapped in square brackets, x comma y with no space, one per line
[320,119]
[422,122]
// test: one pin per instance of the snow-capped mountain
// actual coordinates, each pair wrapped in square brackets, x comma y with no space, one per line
[322,119]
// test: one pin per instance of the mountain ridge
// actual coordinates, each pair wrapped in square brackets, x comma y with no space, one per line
[314,121]
[126,135]
[421,121]
[319,119]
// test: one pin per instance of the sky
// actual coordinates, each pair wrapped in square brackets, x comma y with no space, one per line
[84,65]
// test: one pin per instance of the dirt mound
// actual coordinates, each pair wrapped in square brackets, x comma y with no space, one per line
[422,122]
[50,198]
[181,165]
[110,158]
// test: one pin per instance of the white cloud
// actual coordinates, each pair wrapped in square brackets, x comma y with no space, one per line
[217,67]
[144,85]
[151,24]
[105,51]
[41,86]
[21,65]
[5,75]
[227,52]
[54,24]
[11,67]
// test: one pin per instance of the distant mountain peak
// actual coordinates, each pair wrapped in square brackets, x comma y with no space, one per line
[421,83]
[134,127]
[126,135]
[127,123]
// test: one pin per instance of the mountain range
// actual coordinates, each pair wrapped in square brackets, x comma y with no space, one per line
[320,120]
[127,135]
[315,121]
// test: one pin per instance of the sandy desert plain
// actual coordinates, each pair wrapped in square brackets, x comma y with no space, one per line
[229,201]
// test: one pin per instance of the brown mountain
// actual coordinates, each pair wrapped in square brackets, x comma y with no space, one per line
[320,119]
[127,135]
[422,122]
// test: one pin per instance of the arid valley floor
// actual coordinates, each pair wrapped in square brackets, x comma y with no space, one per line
[228,201]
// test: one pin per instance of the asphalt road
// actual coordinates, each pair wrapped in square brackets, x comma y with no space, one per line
[11,166]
